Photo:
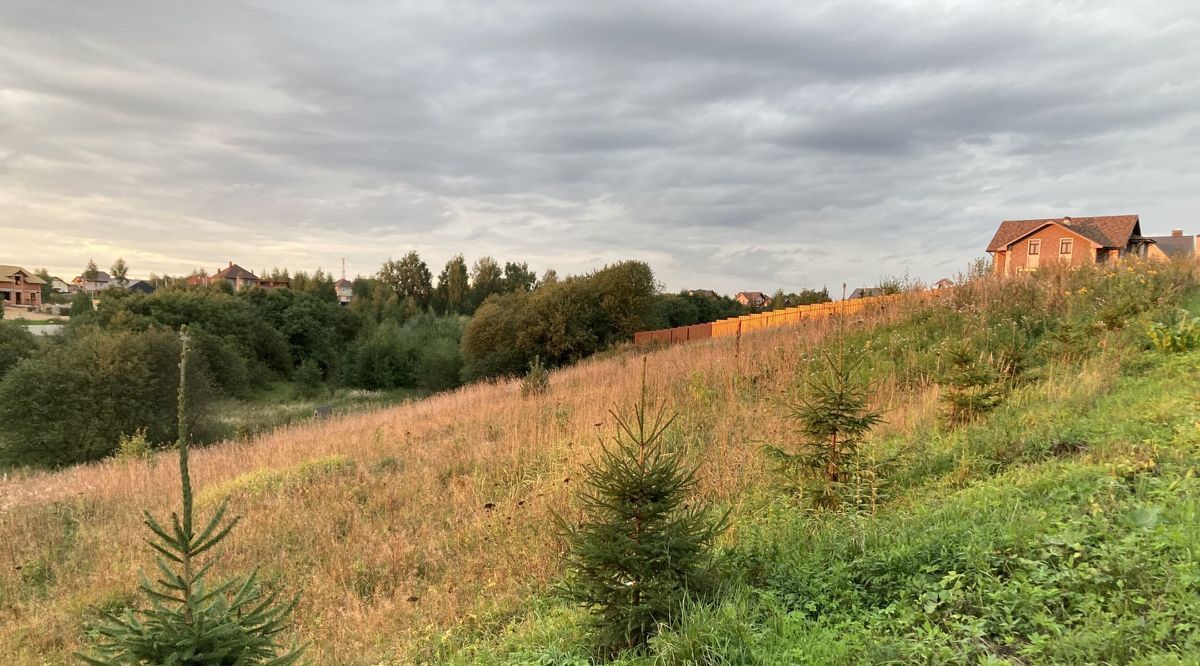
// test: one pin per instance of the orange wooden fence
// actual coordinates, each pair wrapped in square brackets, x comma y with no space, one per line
[756,322]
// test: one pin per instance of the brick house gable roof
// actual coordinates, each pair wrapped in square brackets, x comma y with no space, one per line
[234,272]
[6,273]
[1106,230]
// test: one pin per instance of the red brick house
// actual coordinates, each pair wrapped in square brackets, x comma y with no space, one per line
[1024,245]
[19,287]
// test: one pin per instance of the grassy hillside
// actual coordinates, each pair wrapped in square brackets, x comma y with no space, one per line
[1059,527]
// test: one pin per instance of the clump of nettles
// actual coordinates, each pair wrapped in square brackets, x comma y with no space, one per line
[834,416]
[188,622]
[537,381]
[641,547]
[971,387]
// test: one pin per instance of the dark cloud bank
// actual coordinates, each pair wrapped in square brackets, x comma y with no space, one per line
[732,145]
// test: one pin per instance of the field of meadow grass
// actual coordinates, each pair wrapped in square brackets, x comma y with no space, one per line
[1030,497]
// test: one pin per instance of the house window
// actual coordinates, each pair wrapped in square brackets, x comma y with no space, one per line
[1064,246]
[1035,246]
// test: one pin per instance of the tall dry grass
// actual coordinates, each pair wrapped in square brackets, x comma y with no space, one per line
[442,522]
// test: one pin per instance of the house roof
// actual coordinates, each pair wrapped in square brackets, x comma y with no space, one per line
[343,284]
[1104,230]
[101,276]
[751,294]
[234,272]
[1175,246]
[6,273]
[140,285]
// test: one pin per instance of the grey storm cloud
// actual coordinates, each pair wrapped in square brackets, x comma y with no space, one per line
[732,145]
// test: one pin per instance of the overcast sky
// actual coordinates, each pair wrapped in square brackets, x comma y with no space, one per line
[733,146]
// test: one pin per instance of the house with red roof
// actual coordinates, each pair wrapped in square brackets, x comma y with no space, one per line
[1024,245]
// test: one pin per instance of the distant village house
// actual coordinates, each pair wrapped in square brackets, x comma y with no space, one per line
[19,287]
[752,299]
[99,282]
[345,291]
[1024,245]
[238,278]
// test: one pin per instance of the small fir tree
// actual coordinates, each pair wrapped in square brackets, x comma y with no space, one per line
[309,382]
[971,387]
[834,417]
[641,546]
[189,623]
[537,380]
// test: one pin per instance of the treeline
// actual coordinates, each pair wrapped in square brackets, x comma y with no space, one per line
[72,397]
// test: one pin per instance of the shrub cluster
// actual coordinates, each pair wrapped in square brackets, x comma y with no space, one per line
[562,321]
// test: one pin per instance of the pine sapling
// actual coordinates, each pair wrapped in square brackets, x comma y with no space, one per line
[834,417]
[537,381]
[641,545]
[971,387]
[189,622]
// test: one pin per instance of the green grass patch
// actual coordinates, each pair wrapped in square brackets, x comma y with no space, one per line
[270,481]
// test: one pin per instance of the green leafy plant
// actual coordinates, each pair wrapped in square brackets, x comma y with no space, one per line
[834,417]
[1181,335]
[188,622]
[537,380]
[641,545]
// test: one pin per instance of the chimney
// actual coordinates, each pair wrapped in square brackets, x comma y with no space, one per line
[231,264]
[1177,233]
[1066,221]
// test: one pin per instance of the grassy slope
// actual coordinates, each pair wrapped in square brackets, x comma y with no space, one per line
[1062,527]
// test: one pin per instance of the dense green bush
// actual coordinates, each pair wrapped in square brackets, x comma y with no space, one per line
[561,321]
[685,309]
[74,401]
[16,343]
[423,352]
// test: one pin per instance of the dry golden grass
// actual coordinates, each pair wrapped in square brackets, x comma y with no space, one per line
[443,521]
